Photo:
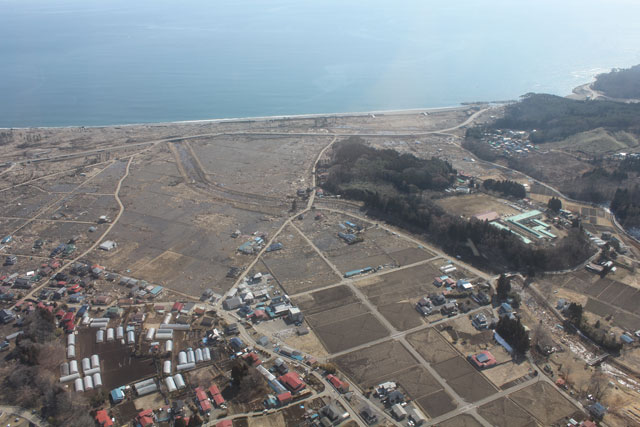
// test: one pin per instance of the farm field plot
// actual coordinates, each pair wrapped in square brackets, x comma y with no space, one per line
[544,402]
[395,293]
[298,267]
[378,248]
[470,384]
[365,367]
[463,420]
[390,361]
[432,346]
[339,319]
[606,297]
[503,412]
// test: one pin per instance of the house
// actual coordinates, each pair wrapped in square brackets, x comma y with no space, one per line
[259,315]
[424,309]
[225,423]
[505,310]
[449,309]
[177,306]
[597,410]
[236,343]
[438,281]
[22,283]
[464,285]
[108,245]
[339,385]
[284,398]
[398,412]
[295,315]
[437,299]
[482,360]
[214,391]
[103,419]
[416,416]
[102,300]
[481,298]
[232,329]
[333,413]
[232,303]
[280,366]
[369,416]
[480,321]
[395,397]
[292,381]
[145,418]
[252,359]
[6,316]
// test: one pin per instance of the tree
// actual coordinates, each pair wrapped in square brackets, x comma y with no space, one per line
[194,421]
[512,330]
[504,287]
[555,204]
[574,313]
[238,372]
[179,422]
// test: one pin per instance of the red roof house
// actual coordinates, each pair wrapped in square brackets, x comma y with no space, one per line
[341,386]
[213,390]
[284,398]
[292,381]
[252,359]
[205,405]
[177,306]
[145,418]
[200,394]
[482,360]
[103,419]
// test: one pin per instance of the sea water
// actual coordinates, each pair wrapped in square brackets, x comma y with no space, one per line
[99,62]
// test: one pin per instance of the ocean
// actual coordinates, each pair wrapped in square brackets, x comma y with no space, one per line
[98,62]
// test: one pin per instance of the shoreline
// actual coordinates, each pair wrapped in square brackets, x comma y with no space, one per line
[266,118]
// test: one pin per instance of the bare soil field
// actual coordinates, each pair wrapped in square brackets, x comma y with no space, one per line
[348,333]
[298,267]
[468,205]
[607,297]
[504,413]
[390,361]
[378,248]
[395,293]
[172,235]
[544,402]
[432,346]
[235,161]
[436,404]
[367,366]
[470,384]
[339,320]
[503,375]
[463,420]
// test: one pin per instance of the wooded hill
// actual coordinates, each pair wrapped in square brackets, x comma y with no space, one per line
[375,177]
